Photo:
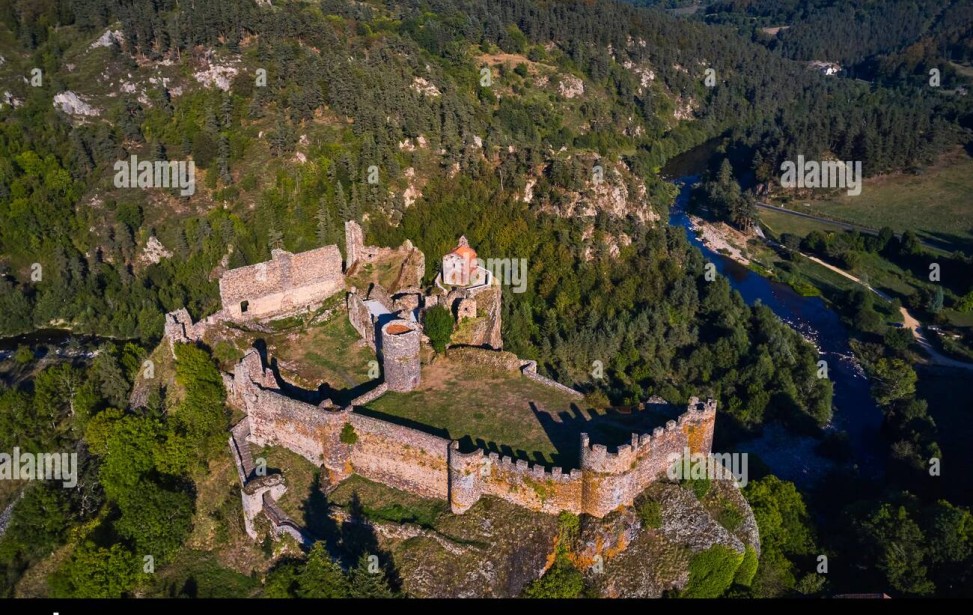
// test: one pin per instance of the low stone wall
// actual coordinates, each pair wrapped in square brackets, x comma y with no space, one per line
[367,398]
[361,319]
[490,359]
[529,369]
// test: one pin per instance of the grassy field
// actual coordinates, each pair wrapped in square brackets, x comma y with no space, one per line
[384,271]
[303,483]
[328,354]
[326,357]
[880,273]
[781,223]
[505,412]
[936,204]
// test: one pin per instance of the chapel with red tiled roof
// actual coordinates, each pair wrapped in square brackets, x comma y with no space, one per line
[459,266]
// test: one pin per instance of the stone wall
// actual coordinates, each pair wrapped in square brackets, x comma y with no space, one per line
[367,398]
[400,457]
[354,240]
[529,369]
[286,284]
[487,330]
[179,329]
[434,467]
[472,475]
[413,261]
[391,454]
[361,318]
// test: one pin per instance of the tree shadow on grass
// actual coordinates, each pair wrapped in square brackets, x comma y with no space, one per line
[359,540]
[352,540]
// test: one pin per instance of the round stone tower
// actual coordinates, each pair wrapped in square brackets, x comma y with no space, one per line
[400,355]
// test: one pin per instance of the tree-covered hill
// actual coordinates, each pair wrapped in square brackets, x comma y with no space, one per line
[487,118]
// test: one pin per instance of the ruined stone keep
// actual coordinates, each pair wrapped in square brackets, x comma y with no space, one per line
[283,285]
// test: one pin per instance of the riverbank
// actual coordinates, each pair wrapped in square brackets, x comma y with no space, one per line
[722,238]
[794,457]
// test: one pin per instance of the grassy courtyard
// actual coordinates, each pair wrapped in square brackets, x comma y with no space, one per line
[504,411]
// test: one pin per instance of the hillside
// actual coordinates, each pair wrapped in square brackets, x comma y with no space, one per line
[538,131]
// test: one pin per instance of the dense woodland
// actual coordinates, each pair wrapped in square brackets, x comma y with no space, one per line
[892,40]
[648,312]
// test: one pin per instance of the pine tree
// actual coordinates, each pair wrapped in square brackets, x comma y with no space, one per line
[227,110]
[325,225]
[354,207]
[224,154]
[210,121]
[363,583]
[321,576]
[275,239]
[341,203]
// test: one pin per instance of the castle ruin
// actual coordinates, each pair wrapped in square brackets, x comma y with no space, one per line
[285,284]
[401,457]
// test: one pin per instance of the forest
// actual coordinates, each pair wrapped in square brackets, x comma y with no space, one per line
[646,311]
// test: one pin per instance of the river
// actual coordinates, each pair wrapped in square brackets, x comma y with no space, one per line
[61,343]
[793,457]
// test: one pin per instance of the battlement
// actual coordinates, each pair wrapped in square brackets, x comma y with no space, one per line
[698,418]
[431,466]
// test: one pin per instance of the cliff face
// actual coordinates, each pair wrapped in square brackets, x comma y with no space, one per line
[496,549]
[484,330]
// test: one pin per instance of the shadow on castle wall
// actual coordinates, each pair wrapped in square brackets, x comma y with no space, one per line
[611,427]
[402,422]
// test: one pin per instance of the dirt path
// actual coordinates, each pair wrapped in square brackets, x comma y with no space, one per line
[910,321]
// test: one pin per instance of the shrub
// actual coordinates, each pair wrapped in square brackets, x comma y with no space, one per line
[699,486]
[711,572]
[348,435]
[729,516]
[438,325]
[650,512]
[569,526]
[562,580]
[748,567]
[23,355]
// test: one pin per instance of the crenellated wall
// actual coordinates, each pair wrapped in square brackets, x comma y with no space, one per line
[473,475]
[434,467]
[614,479]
